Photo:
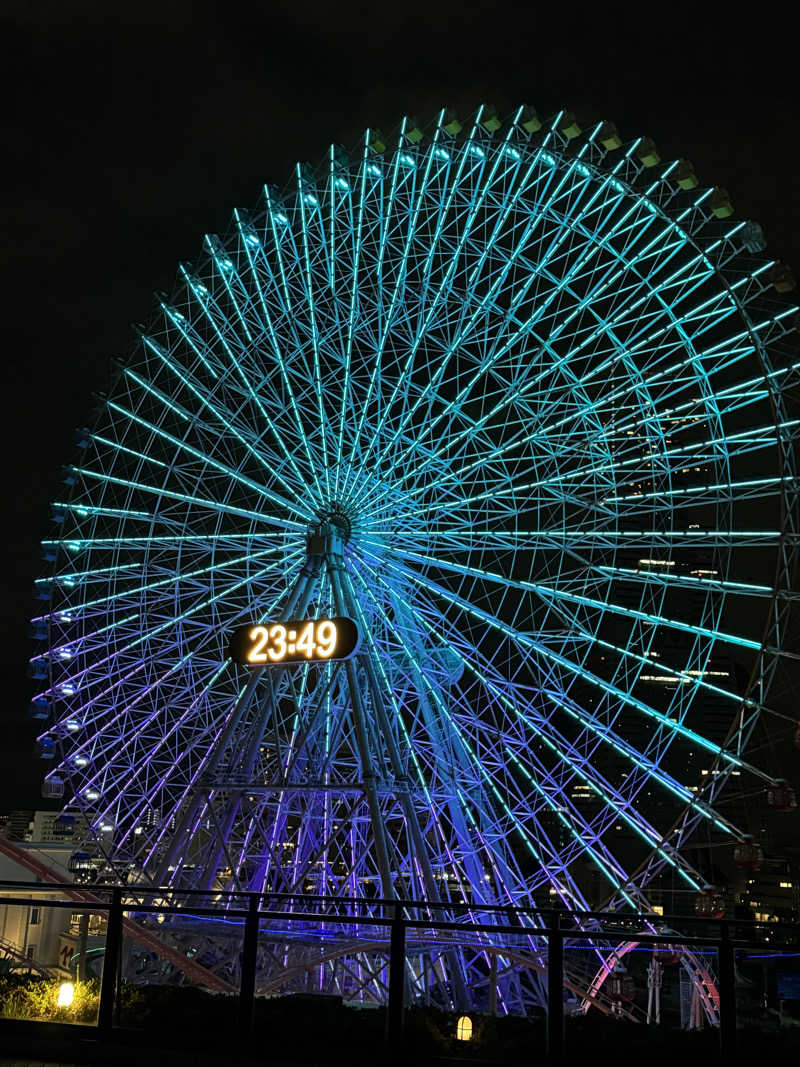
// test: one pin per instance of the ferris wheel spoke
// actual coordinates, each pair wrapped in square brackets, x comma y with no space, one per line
[559,867]
[562,702]
[444,287]
[307,200]
[146,544]
[695,410]
[617,803]
[639,538]
[237,476]
[119,595]
[251,244]
[496,354]
[225,417]
[209,505]
[705,450]
[383,244]
[574,668]
[356,241]
[550,593]
[235,289]
[190,336]
[558,875]
[91,641]
[464,330]
[401,158]
[667,578]
[143,638]
[560,360]
[681,675]
[110,734]
[590,843]
[73,578]
[230,344]
[750,489]
[211,730]
[540,213]
[182,445]
[89,704]
[753,489]
[466,845]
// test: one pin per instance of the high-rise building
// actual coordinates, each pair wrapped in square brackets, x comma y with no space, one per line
[773,892]
[51,827]
[18,825]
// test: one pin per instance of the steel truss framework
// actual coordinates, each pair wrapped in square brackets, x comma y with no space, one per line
[527,390]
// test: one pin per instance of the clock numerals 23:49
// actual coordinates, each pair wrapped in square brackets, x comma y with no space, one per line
[274,643]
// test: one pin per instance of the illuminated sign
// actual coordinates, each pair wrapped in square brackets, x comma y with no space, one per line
[296,641]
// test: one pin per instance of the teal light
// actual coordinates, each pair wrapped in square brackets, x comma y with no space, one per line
[515,402]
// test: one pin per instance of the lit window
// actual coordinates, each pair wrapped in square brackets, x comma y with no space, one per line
[464,1028]
[785,885]
[657,909]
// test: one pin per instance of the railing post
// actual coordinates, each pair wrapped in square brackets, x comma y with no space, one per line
[397,981]
[111,957]
[247,987]
[727,995]
[555,991]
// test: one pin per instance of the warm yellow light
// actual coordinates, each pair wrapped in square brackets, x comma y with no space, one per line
[66,991]
[259,635]
[464,1028]
[274,643]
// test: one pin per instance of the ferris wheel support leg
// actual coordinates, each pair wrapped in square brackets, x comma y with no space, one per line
[465,842]
[415,839]
[301,591]
[365,756]
[297,601]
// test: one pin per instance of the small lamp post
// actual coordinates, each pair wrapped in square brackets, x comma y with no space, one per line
[66,994]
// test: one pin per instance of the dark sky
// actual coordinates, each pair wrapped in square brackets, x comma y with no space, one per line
[131,130]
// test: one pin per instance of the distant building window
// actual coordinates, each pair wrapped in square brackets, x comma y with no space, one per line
[31,951]
[35,912]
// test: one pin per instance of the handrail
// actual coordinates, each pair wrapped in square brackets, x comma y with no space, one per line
[552,925]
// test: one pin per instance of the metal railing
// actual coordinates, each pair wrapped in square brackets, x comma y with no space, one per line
[553,927]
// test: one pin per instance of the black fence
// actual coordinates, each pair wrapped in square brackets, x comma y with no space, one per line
[723,937]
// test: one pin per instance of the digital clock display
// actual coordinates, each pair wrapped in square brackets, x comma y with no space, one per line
[268,644]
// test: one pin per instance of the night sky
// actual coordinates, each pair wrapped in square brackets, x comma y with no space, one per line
[131,130]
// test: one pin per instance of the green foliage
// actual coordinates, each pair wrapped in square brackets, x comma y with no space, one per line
[23,997]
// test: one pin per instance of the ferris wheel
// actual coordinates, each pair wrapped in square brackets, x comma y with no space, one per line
[508,396]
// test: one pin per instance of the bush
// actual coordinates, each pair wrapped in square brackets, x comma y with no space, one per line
[23,997]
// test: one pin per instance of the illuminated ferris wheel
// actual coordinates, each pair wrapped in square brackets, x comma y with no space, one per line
[508,396]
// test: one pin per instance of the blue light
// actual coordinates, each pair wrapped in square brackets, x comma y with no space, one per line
[509,403]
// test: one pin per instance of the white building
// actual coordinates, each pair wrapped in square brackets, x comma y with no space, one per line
[33,931]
